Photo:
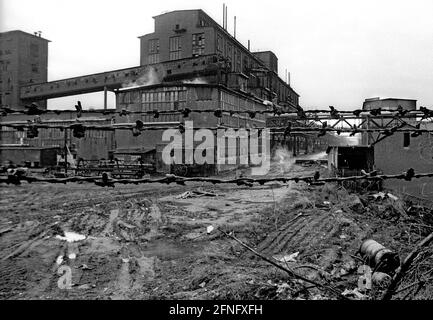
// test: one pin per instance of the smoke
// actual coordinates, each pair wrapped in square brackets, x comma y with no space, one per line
[196,81]
[283,159]
[149,78]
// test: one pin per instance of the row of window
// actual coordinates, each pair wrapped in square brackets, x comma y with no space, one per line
[154,96]
[175,47]
[4,52]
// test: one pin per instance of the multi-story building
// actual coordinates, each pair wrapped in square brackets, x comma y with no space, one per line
[23,61]
[183,34]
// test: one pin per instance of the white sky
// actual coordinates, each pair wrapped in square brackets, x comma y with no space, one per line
[338,52]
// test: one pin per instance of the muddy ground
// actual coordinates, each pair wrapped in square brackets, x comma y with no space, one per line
[144,242]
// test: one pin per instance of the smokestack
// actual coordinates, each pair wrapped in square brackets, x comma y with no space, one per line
[289,78]
[226,19]
[234,28]
[224,15]
[249,45]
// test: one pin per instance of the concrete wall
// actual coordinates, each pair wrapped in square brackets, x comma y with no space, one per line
[392,158]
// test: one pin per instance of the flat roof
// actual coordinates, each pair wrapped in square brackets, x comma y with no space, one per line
[24,33]
[384,99]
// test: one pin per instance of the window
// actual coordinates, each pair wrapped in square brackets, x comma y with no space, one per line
[203,23]
[238,61]
[34,50]
[406,139]
[35,67]
[154,51]
[175,48]
[219,43]
[154,46]
[198,44]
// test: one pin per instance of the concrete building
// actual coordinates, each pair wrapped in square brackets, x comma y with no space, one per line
[23,61]
[396,153]
[389,104]
[402,151]
[149,144]
[185,34]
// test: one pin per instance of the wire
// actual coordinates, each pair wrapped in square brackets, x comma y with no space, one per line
[105,180]
[300,112]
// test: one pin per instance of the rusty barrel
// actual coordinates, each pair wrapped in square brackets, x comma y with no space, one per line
[379,257]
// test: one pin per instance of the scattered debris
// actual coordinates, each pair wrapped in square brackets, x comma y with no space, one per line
[384,195]
[196,193]
[354,293]
[71,237]
[59,260]
[5,230]
[381,279]
[287,258]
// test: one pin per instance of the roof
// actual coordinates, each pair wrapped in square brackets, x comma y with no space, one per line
[387,99]
[24,33]
[174,11]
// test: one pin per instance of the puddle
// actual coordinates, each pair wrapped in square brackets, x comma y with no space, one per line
[71,237]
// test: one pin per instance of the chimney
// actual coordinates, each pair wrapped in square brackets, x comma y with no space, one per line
[224,15]
[234,33]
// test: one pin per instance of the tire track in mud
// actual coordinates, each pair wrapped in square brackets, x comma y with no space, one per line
[318,231]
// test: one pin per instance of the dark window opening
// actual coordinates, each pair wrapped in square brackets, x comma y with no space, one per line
[406,139]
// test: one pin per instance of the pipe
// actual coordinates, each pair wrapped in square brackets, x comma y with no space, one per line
[226,27]
[224,15]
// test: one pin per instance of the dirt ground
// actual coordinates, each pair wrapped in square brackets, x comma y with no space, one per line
[145,242]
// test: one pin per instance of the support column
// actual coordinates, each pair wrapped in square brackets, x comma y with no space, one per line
[65,150]
[105,97]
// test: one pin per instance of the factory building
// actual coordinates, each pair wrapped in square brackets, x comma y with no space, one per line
[389,154]
[183,34]
[23,61]
[189,61]
[163,97]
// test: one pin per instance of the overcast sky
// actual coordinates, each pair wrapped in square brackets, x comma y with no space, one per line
[338,52]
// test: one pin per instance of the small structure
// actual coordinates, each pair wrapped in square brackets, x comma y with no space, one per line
[34,157]
[350,160]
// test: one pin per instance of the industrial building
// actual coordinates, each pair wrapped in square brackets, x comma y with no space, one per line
[188,61]
[192,33]
[389,154]
[23,61]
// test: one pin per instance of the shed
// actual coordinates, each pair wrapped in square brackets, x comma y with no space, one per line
[350,160]
[35,156]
